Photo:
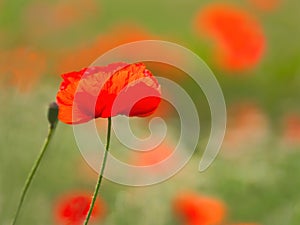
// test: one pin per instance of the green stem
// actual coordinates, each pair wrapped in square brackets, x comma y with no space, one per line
[97,187]
[33,171]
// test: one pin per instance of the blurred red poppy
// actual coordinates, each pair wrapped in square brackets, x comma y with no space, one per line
[56,16]
[266,5]
[291,130]
[84,55]
[239,38]
[72,209]
[245,224]
[246,123]
[120,88]
[22,67]
[195,209]
[148,158]
[159,159]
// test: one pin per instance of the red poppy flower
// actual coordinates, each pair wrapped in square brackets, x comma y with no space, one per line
[239,38]
[157,159]
[291,130]
[24,66]
[199,210]
[153,156]
[266,5]
[117,89]
[246,123]
[81,56]
[56,17]
[73,208]
[246,224]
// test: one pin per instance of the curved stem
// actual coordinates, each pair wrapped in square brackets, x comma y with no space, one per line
[33,171]
[97,187]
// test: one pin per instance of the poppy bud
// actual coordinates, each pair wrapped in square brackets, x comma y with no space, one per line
[53,114]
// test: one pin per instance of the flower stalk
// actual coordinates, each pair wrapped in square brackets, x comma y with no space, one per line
[52,118]
[98,184]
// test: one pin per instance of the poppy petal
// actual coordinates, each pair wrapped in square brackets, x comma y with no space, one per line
[92,93]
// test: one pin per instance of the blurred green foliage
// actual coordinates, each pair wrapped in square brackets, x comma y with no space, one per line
[259,185]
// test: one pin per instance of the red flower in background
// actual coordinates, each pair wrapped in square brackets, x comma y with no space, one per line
[247,123]
[84,55]
[195,209]
[266,5]
[73,208]
[56,16]
[91,93]
[245,224]
[239,38]
[22,67]
[291,130]
[160,159]
[154,156]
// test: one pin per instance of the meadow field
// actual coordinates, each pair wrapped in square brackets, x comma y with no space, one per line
[253,48]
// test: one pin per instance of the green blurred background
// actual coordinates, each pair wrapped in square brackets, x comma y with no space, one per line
[257,171]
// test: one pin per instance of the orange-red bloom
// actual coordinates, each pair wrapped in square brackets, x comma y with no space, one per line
[56,16]
[291,130]
[199,210]
[83,55]
[22,67]
[247,123]
[266,5]
[240,41]
[117,89]
[246,224]
[149,158]
[73,208]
